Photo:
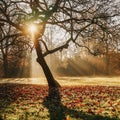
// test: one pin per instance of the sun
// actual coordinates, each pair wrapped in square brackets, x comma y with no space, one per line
[32,30]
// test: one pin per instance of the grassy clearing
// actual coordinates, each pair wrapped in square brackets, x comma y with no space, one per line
[103,81]
[30,102]
[67,81]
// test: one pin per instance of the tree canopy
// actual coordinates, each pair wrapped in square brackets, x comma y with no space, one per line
[77,20]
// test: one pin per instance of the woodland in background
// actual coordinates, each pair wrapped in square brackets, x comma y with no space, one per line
[88,65]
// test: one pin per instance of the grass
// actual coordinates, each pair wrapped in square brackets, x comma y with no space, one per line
[81,102]
[67,81]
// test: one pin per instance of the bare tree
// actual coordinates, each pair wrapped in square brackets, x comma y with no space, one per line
[74,18]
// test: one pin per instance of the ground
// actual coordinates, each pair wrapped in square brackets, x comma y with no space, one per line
[67,81]
[77,99]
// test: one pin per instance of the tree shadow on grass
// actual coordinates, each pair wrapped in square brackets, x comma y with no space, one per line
[53,103]
[9,93]
[58,111]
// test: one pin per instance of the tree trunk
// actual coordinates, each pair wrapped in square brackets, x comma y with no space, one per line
[107,64]
[5,66]
[50,79]
[107,59]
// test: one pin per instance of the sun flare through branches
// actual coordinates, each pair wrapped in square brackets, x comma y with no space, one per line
[32,29]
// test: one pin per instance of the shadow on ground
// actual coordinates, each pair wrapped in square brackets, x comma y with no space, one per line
[61,112]
[9,93]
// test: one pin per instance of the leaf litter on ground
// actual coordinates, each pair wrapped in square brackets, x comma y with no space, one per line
[19,102]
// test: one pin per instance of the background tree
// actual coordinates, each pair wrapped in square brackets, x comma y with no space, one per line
[13,49]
